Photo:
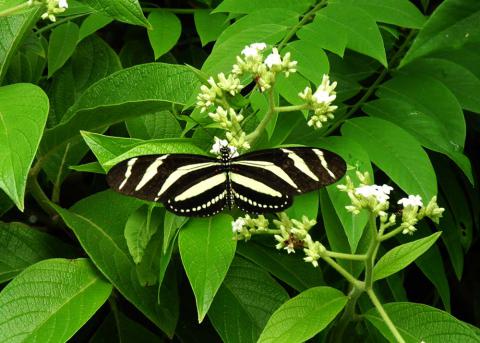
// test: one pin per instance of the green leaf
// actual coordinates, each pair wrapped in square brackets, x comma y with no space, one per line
[161,124]
[92,167]
[397,12]
[98,222]
[51,300]
[453,25]
[303,316]
[304,205]
[207,249]
[249,6]
[23,114]
[61,45]
[139,229]
[120,328]
[165,33]
[340,26]
[130,92]
[337,238]
[431,265]
[247,297]
[260,26]
[148,270]
[401,256]
[418,322]
[13,30]
[172,223]
[209,25]
[92,24]
[312,60]
[22,246]
[290,268]
[462,83]
[396,152]
[354,155]
[429,131]
[127,11]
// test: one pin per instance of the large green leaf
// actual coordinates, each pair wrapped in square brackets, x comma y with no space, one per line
[12,30]
[453,25]
[92,24]
[128,11]
[354,155]
[418,322]
[401,256]
[23,114]
[207,248]
[51,300]
[161,124]
[61,45]
[249,6]
[397,12]
[209,25]
[22,246]
[340,26]
[461,81]
[396,152]
[247,297]
[98,221]
[312,60]
[259,26]
[166,29]
[290,268]
[130,92]
[304,316]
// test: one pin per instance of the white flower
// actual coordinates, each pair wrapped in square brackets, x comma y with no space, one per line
[412,200]
[230,84]
[62,4]
[274,59]
[237,225]
[253,50]
[325,92]
[380,193]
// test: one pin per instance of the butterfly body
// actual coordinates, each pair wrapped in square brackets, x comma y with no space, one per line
[257,182]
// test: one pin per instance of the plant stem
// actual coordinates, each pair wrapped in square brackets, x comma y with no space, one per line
[391,234]
[58,22]
[302,22]
[253,136]
[290,108]
[343,256]
[350,278]
[371,252]
[58,181]
[14,9]
[347,316]
[266,232]
[385,316]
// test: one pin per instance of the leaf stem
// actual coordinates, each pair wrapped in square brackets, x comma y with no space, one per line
[14,9]
[58,22]
[302,22]
[347,316]
[384,315]
[40,197]
[371,252]
[58,181]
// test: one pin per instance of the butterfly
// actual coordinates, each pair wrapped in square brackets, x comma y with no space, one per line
[257,182]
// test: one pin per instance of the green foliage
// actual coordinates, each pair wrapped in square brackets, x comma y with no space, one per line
[114,79]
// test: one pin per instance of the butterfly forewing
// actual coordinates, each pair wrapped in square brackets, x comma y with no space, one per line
[184,183]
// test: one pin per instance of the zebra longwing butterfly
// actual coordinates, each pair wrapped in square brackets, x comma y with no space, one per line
[257,182]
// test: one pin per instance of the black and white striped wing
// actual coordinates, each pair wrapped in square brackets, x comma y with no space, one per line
[188,185]
[266,180]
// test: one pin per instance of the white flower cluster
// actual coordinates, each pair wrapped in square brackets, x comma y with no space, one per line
[244,227]
[229,120]
[53,7]
[375,199]
[264,71]
[320,102]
